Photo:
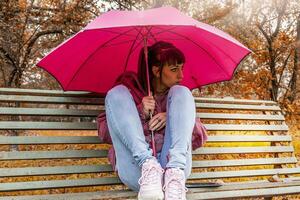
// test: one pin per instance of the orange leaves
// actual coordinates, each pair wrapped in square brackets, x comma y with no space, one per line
[23,4]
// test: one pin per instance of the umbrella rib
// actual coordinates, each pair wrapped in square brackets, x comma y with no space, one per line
[132,45]
[90,55]
[137,44]
[165,30]
[204,51]
[110,31]
[115,44]
[151,34]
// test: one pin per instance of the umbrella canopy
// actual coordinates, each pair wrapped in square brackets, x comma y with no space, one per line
[93,58]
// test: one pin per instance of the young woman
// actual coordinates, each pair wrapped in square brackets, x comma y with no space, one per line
[177,130]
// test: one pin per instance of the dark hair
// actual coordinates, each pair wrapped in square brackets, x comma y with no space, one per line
[159,54]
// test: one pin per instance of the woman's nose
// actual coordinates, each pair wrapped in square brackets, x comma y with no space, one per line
[180,74]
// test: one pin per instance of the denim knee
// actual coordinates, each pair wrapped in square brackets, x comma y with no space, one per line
[116,94]
[180,91]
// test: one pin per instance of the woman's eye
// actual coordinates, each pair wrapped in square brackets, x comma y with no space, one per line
[174,69]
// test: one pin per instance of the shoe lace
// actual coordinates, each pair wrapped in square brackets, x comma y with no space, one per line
[151,175]
[176,187]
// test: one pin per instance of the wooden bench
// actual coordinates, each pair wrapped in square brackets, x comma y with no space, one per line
[49,149]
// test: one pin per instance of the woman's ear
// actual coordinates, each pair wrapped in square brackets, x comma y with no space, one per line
[156,71]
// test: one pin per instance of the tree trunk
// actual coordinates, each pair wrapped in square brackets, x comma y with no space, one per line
[297,64]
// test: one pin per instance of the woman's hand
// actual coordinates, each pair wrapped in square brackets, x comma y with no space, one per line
[158,121]
[148,105]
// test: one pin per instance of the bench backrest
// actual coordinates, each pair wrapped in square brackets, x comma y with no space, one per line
[48,140]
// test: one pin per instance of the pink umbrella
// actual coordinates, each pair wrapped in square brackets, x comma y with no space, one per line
[94,58]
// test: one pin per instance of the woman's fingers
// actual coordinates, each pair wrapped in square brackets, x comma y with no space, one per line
[148,104]
[157,122]
[158,126]
[161,126]
[149,99]
[153,121]
[149,108]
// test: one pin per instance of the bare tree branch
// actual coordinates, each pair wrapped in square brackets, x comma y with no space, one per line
[34,39]
[8,57]
[284,66]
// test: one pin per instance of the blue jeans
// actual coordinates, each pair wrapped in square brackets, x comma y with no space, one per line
[128,138]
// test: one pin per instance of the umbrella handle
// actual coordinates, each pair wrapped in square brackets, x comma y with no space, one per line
[149,92]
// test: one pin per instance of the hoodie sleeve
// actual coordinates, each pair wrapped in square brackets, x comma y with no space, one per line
[102,127]
[140,111]
[199,136]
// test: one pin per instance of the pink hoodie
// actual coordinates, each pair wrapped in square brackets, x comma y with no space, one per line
[130,80]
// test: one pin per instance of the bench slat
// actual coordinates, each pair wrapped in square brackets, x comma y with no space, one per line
[74,169]
[29,155]
[244,162]
[94,113]
[96,140]
[249,138]
[21,125]
[114,180]
[99,101]
[22,91]
[31,185]
[49,140]
[195,193]
[247,185]
[41,92]
[51,99]
[238,107]
[231,116]
[120,194]
[232,150]
[261,192]
[33,171]
[48,112]
[244,173]
[239,127]
[233,100]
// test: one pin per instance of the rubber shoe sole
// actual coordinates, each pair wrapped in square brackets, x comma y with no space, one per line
[156,197]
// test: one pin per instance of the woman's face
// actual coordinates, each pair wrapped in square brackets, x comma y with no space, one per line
[171,75]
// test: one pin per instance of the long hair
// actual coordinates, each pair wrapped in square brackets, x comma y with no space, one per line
[159,54]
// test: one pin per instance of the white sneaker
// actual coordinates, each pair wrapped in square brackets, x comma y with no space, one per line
[174,186]
[151,181]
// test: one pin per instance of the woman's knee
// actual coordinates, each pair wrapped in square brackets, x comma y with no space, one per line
[117,93]
[180,91]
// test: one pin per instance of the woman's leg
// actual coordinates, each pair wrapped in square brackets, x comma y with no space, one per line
[124,122]
[128,171]
[176,151]
[127,135]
